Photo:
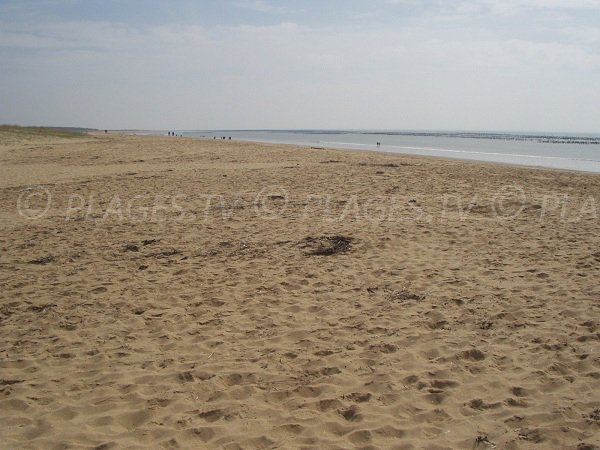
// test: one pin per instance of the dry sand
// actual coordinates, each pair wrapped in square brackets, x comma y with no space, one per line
[282,297]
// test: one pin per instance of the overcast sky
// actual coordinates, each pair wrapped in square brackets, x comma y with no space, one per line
[242,64]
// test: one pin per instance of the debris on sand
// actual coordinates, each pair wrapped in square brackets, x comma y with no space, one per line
[41,308]
[326,245]
[483,440]
[584,446]
[166,253]
[534,435]
[400,295]
[486,324]
[405,294]
[595,415]
[43,260]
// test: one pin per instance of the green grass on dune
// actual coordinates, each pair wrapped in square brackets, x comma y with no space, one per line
[42,131]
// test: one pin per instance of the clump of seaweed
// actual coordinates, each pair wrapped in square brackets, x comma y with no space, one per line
[326,245]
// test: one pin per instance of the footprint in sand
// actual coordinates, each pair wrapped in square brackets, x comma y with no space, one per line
[99,290]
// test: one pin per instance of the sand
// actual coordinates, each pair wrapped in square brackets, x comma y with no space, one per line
[178,293]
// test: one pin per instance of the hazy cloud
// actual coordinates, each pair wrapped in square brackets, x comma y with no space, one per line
[264,6]
[443,67]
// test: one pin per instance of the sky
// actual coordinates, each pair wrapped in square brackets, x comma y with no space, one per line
[512,65]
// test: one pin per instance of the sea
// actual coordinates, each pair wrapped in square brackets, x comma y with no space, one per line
[570,151]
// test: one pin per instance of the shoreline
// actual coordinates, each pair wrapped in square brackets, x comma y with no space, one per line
[441,158]
[376,151]
[343,147]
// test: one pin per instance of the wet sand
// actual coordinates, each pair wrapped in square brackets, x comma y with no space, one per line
[180,293]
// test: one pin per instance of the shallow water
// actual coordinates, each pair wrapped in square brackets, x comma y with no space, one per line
[553,150]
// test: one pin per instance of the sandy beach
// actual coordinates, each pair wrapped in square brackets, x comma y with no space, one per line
[161,292]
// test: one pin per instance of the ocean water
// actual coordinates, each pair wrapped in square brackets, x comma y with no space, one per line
[553,150]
